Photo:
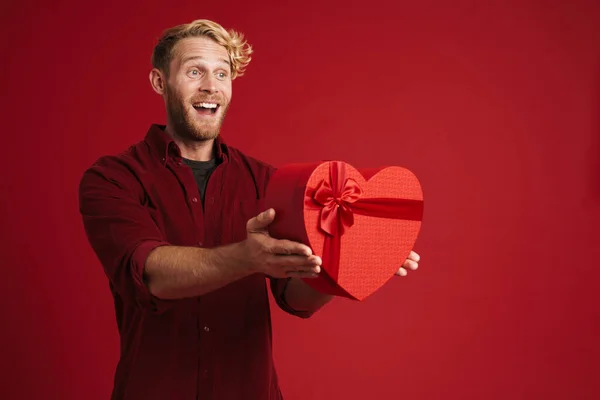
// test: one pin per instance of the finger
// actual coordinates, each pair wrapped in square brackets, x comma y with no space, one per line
[309,267]
[414,256]
[306,267]
[410,264]
[302,271]
[302,274]
[289,247]
[293,262]
[315,260]
[401,272]
[261,221]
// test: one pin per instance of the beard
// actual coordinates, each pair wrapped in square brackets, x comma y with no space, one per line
[186,124]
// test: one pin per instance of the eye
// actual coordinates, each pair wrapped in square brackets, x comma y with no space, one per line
[193,73]
[222,75]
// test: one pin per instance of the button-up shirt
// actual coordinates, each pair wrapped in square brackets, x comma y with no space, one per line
[215,346]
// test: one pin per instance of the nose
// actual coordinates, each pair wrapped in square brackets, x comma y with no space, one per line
[209,84]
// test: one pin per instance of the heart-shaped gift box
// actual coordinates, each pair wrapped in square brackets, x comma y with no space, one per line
[363,224]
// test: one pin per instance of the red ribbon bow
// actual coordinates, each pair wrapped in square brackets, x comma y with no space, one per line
[336,214]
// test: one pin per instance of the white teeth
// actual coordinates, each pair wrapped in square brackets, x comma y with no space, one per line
[206,105]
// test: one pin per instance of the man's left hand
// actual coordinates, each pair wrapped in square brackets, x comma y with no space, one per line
[411,263]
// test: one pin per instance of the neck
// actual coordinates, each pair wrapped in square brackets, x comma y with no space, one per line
[193,149]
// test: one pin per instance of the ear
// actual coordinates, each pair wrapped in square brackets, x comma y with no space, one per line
[158,81]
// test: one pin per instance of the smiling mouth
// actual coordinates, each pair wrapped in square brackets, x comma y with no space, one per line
[206,108]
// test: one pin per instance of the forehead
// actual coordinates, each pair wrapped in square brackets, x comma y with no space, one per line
[199,47]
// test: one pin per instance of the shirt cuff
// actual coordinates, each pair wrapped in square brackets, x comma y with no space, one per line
[142,294]
[278,288]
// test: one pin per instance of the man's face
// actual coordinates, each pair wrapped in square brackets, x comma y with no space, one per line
[198,90]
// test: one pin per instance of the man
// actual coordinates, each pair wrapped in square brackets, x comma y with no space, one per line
[175,221]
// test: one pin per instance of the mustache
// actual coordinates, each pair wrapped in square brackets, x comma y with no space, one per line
[207,99]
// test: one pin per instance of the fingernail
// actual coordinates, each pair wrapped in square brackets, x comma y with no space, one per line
[317,269]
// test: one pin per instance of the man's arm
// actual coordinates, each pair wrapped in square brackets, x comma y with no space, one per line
[144,268]
[175,272]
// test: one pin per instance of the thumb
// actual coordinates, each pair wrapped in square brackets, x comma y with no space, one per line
[261,221]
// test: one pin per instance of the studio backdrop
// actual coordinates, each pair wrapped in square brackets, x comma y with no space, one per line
[495,106]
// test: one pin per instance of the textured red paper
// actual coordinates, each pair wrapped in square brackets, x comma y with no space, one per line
[370,250]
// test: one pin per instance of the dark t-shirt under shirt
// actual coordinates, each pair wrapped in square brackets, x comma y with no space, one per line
[202,171]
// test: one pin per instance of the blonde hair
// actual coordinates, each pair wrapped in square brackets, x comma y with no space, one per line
[238,49]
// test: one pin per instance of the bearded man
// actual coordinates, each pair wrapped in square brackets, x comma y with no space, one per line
[176,224]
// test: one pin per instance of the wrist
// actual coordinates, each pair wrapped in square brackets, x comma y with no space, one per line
[234,257]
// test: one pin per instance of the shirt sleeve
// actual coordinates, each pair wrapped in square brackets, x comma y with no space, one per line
[278,289]
[120,230]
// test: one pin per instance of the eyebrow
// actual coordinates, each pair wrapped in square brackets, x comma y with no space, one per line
[193,58]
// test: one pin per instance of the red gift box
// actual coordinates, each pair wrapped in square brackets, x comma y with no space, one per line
[363,224]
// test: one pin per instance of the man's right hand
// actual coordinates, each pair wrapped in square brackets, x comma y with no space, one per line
[276,258]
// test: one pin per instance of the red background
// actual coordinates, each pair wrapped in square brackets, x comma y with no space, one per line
[494,105]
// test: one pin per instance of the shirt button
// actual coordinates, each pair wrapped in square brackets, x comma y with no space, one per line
[206,329]
[195,199]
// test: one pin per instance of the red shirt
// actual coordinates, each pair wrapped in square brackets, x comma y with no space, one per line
[216,346]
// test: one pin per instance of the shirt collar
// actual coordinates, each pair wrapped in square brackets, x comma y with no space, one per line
[164,147]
